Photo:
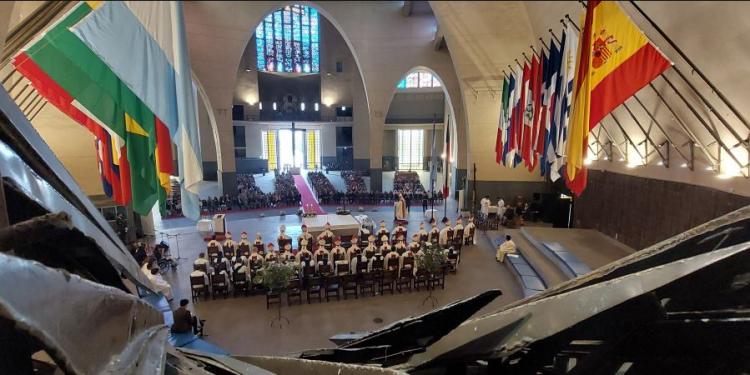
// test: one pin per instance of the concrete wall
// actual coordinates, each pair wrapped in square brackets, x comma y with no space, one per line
[416,107]
[642,211]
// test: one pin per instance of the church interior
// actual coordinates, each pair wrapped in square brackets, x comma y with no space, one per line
[374,187]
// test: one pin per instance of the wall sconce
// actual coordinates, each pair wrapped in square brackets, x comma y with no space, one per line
[260,106]
[317,108]
[274,106]
[302,106]
[343,108]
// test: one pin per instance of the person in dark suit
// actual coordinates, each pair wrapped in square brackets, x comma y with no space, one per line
[184,322]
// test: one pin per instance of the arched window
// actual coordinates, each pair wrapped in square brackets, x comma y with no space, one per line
[288,40]
[418,80]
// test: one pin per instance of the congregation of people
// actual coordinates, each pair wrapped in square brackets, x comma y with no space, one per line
[249,195]
[327,262]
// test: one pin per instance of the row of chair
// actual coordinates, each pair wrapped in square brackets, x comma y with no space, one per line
[355,285]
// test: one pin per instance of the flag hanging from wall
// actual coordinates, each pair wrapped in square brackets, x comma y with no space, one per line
[121,68]
[615,60]
[502,122]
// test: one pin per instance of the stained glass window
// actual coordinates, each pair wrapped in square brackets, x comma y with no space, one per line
[418,80]
[288,40]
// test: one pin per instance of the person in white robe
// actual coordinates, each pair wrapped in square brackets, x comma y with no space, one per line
[338,255]
[286,255]
[505,248]
[399,206]
[160,285]
[484,205]
[229,245]
[444,241]
[421,233]
[434,233]
[244,245]
[469,232]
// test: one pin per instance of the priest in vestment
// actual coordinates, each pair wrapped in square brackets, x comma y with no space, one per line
[399,207]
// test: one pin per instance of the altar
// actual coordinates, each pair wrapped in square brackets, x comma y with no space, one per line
[341,225]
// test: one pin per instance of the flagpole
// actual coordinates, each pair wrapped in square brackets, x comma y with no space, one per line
[433,174]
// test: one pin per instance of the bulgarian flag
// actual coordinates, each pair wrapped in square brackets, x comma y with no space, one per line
[615,60]
[122,70]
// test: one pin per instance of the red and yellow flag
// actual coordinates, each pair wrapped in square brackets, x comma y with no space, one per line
[615,61]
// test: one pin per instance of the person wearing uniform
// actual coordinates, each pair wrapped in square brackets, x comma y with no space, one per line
[229,246]
[327,234]
[201,261]
[459,227]
[213,244]
[255,260]
[397,259]
[286,255]
[258,244]
[385,247]
[353,250]
[382,230]
[305,236]
[422,234]
[469,231]
[198,272]
[400,246]
[304,256]
[370,250]
[444,234]
[407,260]
[484,205]
[271,254]
[434,234]
[398,229]
[414,245]
[338,255]
[244,245]
[321,255]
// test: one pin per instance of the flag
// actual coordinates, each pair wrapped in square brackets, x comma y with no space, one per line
[565,102]
[554,81]
[502,122]
[528,114]
[152,34]
[525,115]
[540,119]
[509,104]
[73,78]
[446,190]
[615,61]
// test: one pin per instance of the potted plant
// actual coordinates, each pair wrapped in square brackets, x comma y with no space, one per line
[275,279]
[431,259]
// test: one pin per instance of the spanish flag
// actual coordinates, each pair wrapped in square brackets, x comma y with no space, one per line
[615,60]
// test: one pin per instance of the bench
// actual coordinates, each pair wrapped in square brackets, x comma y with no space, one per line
[567,262]
[525,273]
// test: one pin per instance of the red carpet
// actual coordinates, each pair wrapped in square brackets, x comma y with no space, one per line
[308,199]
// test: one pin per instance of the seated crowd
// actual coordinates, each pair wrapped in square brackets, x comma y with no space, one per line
[374,261]
[249,195]
[322,187]
[355,184]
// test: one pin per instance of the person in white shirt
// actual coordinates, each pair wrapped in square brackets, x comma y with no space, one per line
[338,255]
[507,247]
[286,255]
[484,205]
[201,261]
[229,245]
[271,254]
[160,285]
[444,234]
[469,232]
[459,227]
[434,233]
[421,233]
[500,203]
[199,273]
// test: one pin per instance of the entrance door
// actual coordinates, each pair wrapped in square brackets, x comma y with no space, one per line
[291,148]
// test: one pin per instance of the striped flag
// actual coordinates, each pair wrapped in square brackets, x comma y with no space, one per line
[502,123]
[615,61]
[552,84]
[508,105]
[569,43]
[152,34]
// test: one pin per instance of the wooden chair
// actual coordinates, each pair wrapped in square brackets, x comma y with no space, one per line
[421,278]
[324,269]
[408,261]
[458,239]
[272,297]
[423,238]
[437,279]
[332,285]
[239,283]
[342,269]
[314,289]
[393,263]
[388,280]
[198,286]
[469,240]
[203,267]
[449,236]
[219,285]
[259,248]
[244,249]
[377,265]
[229,252]
[294,289]
[284,242]
[404,280]
[361,264]
[368,281]
[349,283]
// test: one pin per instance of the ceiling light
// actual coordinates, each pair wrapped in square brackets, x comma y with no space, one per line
[683,165]
[660,163]
[343,108]
[622,159]
[710,168]
[316,107]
